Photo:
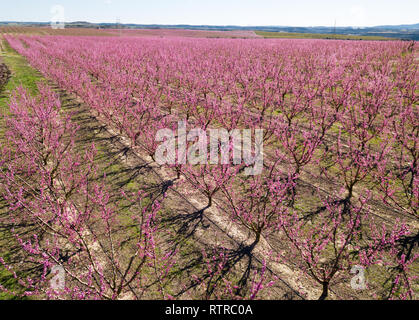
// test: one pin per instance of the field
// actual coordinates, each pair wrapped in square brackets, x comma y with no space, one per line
[18,30]
[322,204]
[293,35]
[181,33]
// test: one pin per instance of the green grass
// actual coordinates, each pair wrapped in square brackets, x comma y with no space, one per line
[26,76]
[8,281]
[22,74]
[291,35]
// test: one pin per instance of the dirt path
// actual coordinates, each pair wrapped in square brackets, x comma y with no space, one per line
[4,74]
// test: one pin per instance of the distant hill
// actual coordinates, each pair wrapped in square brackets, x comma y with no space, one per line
[402,26]
[407,32]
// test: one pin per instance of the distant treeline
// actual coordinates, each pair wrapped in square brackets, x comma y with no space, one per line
[407,32]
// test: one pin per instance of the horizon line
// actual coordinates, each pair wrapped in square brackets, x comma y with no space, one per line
[213,25]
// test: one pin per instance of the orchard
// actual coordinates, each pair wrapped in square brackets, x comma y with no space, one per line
[338,187]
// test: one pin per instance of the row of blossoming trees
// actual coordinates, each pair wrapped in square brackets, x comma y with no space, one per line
[339,185]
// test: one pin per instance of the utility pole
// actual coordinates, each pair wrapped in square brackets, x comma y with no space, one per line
[118,26]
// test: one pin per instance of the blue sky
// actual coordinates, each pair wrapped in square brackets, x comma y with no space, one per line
[220,12]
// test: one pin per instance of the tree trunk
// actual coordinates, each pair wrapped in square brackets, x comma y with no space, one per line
[257,240]
[325,292]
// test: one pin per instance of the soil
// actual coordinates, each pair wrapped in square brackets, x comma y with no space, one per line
[4,75]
